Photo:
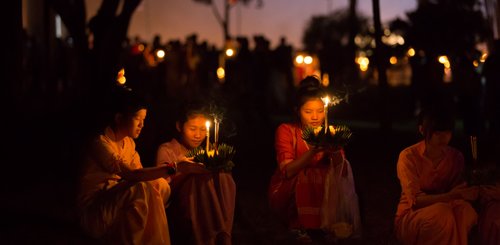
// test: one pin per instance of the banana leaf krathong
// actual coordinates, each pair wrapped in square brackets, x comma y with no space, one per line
[214,160]
[334,136]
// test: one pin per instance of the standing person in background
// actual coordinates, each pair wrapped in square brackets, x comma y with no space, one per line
[434,206]
[201,209]
[121,202]
[297,188]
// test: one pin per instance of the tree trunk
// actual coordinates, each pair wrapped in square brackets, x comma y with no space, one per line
[380,59]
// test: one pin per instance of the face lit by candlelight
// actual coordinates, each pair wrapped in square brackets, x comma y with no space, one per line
[131,126]
[312,113]
[193,131]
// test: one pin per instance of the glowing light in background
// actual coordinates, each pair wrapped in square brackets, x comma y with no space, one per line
[411,52]
[308,60]
[447,76]
[299,59]
[160,53]
[393,60]
[363,63]
[229,52]
[221,73]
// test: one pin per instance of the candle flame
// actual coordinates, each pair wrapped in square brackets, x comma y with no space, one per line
[326,100]
[207,124]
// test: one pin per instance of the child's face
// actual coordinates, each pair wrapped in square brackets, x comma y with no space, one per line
[194,131]
[132,126]
[312,113]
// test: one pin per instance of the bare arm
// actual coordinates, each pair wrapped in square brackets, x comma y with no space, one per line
[146,174]
[293,167]
[459,192]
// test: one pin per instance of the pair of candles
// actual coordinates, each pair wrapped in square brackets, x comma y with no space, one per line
[216,132]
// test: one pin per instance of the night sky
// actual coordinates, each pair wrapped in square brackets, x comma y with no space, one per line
[176,19]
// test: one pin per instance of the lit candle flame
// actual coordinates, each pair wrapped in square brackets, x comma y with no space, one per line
[207,124]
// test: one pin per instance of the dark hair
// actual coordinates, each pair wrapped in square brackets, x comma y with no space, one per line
[126,102]
[190,108]
[309,88]
[436,119]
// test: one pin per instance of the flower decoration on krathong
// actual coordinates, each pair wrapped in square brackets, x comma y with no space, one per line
[220,159]
[333,136]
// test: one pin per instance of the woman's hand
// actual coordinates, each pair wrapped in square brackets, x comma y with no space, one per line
[468,193]
[187,166]
[490,192]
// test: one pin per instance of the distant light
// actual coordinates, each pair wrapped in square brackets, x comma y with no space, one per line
[443,59]
[483,57]
[411,52]
[160,53]
[401,40]
[475,63]
[221,73]
[308,60]
[325,81]
[229,52]
[58,26]
[141,47]
[363,63]
[393,60]
[299,59]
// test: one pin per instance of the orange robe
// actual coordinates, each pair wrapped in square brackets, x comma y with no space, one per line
[299,204]
[489,222]
[439,223]
[118,211]
[202,204]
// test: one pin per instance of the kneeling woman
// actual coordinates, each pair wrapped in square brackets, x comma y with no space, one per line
[297,189]
[434,207]
[202,203]
[120,201]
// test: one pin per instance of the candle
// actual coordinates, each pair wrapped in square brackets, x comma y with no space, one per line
[207,124]
[326,101]
[473,144]
[216,131]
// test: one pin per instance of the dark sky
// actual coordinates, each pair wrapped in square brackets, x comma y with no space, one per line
[176,19]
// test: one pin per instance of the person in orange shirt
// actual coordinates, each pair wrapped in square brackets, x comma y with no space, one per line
[434,206]
[297,188]
[120,201]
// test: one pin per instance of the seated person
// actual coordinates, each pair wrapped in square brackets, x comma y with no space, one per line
[121,202]
[202,202]
[434,206]
[297,188]
[489,215]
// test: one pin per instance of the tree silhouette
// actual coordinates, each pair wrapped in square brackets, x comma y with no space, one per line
[451,28]
[225,20]
[329,37]
[99,64]
[446,27]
